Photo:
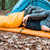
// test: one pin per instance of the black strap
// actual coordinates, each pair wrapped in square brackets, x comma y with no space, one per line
[21,30]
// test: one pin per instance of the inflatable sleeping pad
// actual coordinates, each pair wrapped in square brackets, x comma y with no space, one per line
[27,31]
[22,4]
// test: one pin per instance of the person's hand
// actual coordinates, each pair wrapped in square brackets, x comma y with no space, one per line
[25,20]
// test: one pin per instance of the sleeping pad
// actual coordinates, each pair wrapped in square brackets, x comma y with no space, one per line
[14,20]
[27,31]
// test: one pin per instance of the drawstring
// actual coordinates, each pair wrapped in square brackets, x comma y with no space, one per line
[21,30]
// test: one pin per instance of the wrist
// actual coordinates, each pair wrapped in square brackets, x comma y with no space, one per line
[28,16]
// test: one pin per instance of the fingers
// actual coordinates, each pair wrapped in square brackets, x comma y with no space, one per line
[23,24]
[24,20]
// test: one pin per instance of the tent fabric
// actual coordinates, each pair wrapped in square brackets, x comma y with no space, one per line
[22,4]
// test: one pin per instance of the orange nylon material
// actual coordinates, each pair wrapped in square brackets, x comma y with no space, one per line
[12,20]
[27,31]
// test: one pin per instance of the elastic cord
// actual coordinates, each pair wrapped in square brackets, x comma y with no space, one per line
[21,30]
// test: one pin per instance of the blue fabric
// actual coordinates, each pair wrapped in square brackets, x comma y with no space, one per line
[22,4]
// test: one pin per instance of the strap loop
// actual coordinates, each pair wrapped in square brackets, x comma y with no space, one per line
[21,30]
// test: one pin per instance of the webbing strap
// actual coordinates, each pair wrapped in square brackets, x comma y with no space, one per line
[21,30]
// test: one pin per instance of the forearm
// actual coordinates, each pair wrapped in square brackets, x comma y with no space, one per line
[38,11]
[38,15]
